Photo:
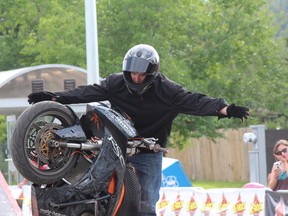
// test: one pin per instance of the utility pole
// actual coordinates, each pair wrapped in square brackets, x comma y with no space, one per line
[91,42]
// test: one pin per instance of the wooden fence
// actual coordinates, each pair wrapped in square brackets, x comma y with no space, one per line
[226,159]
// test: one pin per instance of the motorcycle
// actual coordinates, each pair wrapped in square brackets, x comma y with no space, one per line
[78,165]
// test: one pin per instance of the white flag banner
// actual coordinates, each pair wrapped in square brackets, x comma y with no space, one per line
[190,201]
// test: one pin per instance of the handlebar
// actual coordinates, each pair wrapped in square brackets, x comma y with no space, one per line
[148,143]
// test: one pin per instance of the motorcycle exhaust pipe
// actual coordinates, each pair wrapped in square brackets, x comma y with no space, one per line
[82,146]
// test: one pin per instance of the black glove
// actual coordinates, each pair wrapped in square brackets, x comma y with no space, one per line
[40,96]
[237,112]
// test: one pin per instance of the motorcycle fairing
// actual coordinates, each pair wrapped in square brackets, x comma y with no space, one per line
[73,133]
[115,122]
[92,125]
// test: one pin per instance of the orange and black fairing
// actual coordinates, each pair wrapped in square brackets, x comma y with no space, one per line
[96,120]
[112,190]
[131,193]
[92,125]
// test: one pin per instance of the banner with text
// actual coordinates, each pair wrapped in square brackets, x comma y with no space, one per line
[192,201]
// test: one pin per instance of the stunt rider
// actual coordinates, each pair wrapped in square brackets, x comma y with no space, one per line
[153,102]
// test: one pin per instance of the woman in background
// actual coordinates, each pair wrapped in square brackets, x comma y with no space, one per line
[277,179]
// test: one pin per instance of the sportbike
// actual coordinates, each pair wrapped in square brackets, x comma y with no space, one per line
[78,165]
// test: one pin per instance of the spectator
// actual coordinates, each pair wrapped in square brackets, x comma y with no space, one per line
[277,179]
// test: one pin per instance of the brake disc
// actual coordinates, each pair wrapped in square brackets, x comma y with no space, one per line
[31,139]
[45,134]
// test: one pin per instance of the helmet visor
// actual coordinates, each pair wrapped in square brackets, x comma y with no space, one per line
[140,65]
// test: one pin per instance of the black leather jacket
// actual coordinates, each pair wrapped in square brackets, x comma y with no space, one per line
[152,112]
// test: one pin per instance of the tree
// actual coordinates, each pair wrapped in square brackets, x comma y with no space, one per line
[40,32]
[216,47]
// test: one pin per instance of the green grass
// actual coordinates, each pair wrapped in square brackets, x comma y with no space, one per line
[215,184]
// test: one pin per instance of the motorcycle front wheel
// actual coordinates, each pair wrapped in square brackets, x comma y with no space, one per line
[31,153]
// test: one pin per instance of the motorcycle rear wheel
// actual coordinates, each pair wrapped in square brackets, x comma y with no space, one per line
[30,150]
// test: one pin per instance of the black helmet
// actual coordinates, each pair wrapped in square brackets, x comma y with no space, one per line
[141,58]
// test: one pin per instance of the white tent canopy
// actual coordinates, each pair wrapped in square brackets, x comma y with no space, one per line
[15,85]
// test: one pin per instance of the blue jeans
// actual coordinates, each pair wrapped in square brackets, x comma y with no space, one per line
[148,168]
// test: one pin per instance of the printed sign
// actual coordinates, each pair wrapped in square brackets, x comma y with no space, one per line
[192,201]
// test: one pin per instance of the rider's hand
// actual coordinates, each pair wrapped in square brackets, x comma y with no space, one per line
[40,96]
[237,112]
